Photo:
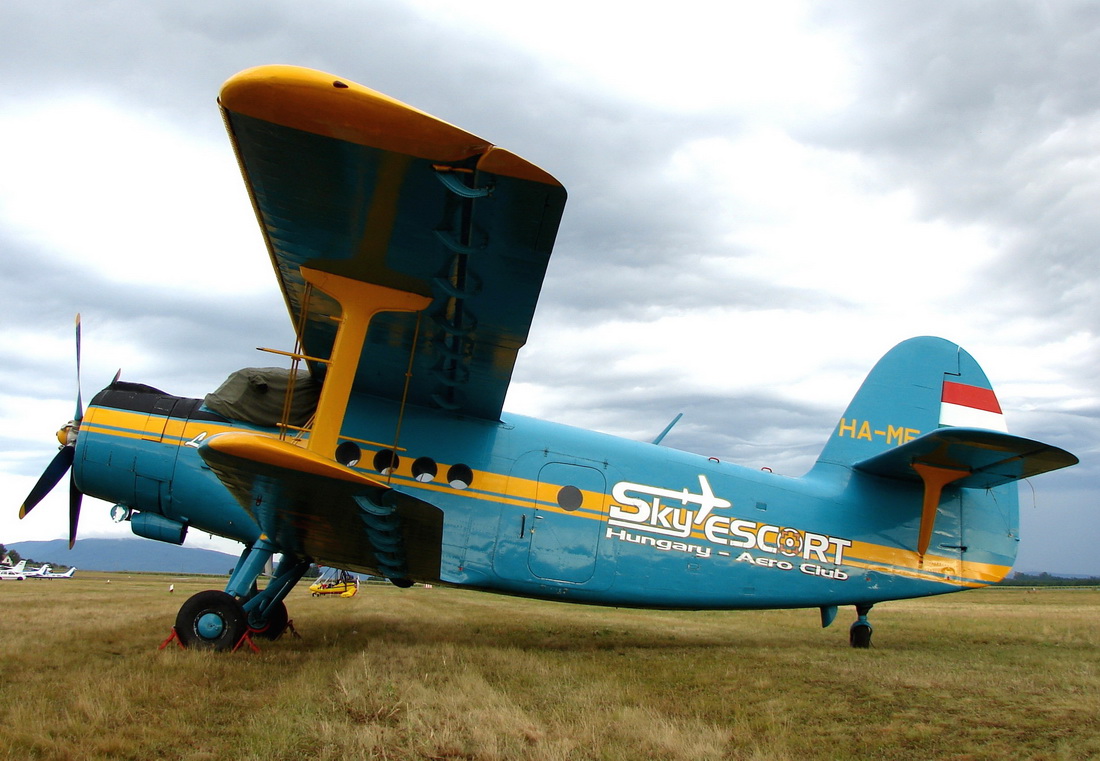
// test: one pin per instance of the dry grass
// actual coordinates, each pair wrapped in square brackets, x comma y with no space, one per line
[448,674]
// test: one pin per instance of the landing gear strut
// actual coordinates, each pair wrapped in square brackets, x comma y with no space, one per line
[216,620]
[860,633]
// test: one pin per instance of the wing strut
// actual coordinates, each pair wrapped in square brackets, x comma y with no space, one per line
[405,393]
[296,359]
[360,302]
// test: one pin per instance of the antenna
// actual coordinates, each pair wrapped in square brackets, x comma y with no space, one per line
[668,428]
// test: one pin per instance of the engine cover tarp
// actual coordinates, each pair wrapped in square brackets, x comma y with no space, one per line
[256,395]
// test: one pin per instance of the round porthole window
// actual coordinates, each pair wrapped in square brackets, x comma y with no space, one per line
[386,461]
[348,453]
[460,476]
[570,498]
[424,469]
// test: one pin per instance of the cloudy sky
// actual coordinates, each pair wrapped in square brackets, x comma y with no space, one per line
[764,198]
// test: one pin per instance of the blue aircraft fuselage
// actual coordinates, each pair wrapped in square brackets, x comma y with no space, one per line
[553,511]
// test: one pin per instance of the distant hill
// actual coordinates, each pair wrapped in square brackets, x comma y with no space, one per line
[127,555]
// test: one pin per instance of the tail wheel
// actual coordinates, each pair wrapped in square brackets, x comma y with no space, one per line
[859,635]
[211,620]
[275,625]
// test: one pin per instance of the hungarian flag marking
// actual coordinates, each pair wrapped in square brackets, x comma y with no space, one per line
[969,406]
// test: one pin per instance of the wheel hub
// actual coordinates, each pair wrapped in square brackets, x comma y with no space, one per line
[209,626]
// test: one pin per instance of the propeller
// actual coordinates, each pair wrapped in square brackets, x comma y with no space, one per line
[62,461]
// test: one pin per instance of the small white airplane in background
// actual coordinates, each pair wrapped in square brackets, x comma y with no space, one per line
[43,572]
[14,572]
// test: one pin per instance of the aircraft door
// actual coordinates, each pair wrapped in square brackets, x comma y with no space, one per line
[567,522]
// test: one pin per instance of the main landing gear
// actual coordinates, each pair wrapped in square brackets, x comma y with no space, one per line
[216,620]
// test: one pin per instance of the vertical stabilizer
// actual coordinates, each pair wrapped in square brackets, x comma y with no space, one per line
[921,385]
[927,429]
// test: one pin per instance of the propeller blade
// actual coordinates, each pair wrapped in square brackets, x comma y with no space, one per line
[79,406]
[74,510]
[60,463]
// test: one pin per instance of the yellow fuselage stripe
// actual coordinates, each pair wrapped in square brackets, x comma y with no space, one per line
[523,492]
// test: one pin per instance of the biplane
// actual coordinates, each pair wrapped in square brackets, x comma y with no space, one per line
[410,254]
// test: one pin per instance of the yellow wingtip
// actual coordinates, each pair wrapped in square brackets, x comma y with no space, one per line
[324,104]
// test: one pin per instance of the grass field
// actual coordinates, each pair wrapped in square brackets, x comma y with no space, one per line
[449,674]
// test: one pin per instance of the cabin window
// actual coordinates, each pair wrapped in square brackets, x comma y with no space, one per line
[569,498]
[424,469]
[386,461]
[348,453]
[460,476]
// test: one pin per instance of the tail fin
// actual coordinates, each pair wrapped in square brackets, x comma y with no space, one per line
[921,385]
[927,414]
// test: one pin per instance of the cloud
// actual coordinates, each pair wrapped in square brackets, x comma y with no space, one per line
[996,125]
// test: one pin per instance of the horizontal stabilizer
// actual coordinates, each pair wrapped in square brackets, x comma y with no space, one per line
[317,508]
[989,458]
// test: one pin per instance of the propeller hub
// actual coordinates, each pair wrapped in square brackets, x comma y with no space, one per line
[67,435]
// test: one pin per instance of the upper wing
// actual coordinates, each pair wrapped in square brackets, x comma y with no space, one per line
[348,181]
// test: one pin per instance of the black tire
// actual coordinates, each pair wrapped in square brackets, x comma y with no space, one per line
[860,635]
[274,626]
[210,620]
